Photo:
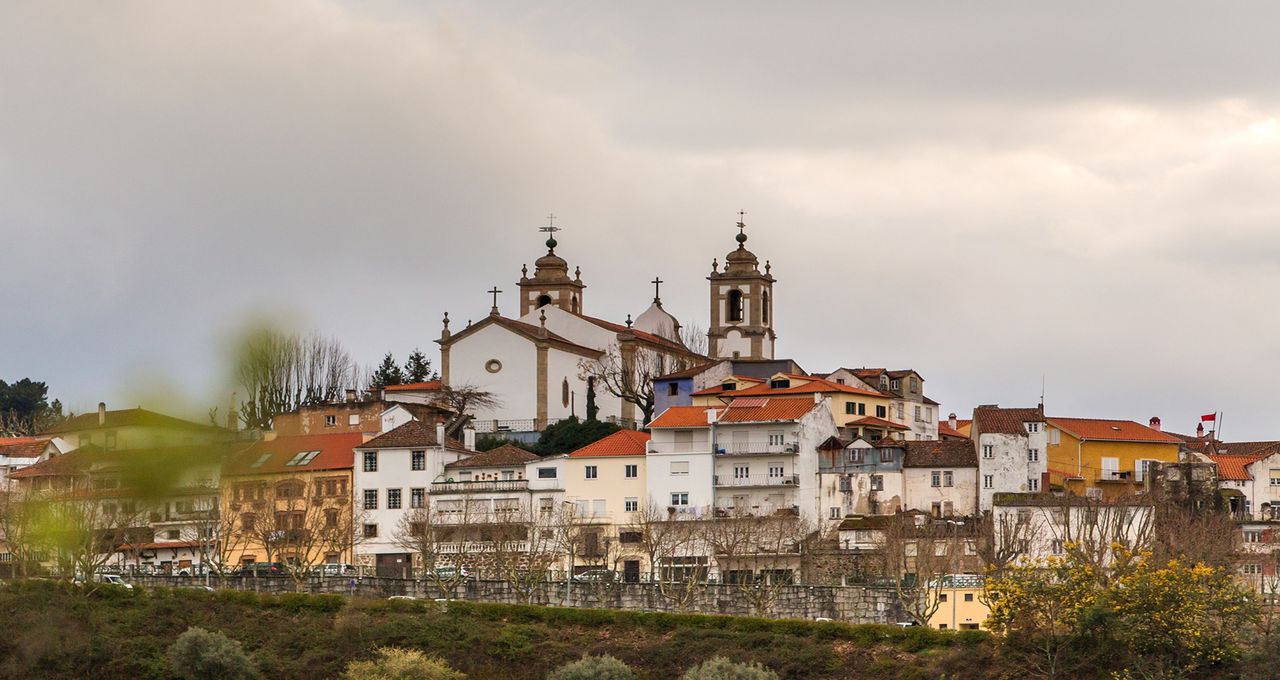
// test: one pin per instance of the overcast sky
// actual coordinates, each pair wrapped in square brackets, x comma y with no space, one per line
[990,193]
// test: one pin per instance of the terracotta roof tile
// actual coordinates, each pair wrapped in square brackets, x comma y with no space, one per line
[411,434]
[996,420]
[1112,430]
[813,385]
[336,452]
[430,385]
[502,456]
[872,421]
[751,410]
[944,430]
[1234,468]
[620,443]
[23,447]
[940,453]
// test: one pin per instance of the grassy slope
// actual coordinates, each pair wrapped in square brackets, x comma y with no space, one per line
[54,632]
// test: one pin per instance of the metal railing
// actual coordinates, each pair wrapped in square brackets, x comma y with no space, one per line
[748,448]
[757,480]
[491,485]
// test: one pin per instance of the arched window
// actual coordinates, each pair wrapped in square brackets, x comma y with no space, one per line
[764,307]
[735,305]
[574,304]
[544,300]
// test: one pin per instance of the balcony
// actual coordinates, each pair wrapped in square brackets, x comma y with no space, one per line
[487,486]
[1116,476]
[756,480]
[756,449]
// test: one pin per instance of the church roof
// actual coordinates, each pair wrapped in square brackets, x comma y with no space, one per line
[525,330]
[642,335]
[659,322]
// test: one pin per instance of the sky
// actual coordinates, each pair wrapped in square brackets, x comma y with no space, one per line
[1005,196]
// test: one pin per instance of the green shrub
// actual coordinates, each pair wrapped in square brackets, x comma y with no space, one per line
[199,654]
[593,668]
[401,664]
[720,668]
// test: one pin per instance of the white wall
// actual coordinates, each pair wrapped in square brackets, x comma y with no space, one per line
[394,472]
[1010,467]
[515,385]
[920,494]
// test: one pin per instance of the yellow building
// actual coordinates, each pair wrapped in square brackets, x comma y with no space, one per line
[960,605]
[1111,456]
[858,411]
[288,499]
[605,482]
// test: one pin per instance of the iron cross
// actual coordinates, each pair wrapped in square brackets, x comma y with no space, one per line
[657,282]
[494,292]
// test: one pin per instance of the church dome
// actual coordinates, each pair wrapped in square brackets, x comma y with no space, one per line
[741,260]
[659,322]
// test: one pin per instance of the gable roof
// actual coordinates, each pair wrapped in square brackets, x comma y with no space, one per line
[71,463]
[620,443]
[1233,468]
[940,453]
[944,430]
[1099,429]
[411,434]
[740,410]
[133,417]
[812,385]
[336,452]
[873,421]
[524,330]
[428,386]
[996,420]
[506,455]
[642,335]
[23,447]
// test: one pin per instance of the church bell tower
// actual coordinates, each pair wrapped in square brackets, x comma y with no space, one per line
[741,305]
[550,283]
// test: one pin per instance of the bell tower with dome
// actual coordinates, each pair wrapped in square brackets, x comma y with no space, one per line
[550,283]
[741,305]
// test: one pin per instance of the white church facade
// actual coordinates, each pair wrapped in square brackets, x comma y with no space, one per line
[536,364]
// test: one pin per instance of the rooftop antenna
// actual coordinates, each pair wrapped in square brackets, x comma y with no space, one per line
[1042,391]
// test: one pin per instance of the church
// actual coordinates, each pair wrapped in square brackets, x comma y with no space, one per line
[548,362]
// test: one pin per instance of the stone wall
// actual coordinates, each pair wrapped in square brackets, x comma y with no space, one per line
[851,604]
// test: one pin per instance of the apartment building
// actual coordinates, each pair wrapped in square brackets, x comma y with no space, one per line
[1012,451]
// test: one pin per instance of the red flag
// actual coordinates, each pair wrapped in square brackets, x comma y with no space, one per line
[1211,417]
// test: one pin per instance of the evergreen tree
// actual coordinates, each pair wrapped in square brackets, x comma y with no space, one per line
[571,434]
[593,410]
[387,374]
[418,368]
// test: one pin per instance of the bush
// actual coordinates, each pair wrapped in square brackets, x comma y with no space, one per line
[593,668]
[401,664]
[720,668]
[199,654]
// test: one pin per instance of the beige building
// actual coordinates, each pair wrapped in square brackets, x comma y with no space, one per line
[605,482]
[960,605]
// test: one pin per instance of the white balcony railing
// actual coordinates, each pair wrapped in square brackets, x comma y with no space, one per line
[757,480]
[751,448]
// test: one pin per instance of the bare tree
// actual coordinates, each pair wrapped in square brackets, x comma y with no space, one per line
[628,372]
[464,400]
[436,539]
[281,372]
[677,549]
[1107,537]
[694,338]
[524,547]
[1002,539]
[19,531]
[297,523]
[919,553]
[759,555]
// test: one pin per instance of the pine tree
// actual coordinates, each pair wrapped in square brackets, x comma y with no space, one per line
[593,410]
[418,368]
[388,373]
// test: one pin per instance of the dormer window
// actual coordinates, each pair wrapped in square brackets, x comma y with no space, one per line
[780,383]
[894,384]
[729,386]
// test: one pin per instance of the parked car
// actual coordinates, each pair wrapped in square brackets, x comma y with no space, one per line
[332,569]
[109,579]
[261,569]
[595,576]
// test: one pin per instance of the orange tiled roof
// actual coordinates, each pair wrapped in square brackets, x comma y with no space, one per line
[23,447]
[429,385]
[1234,468]
[337,452]
[872,421]
[997,420]
[944,430]
[620,443]
[1112,430]
[813,385]
[752,410]
[681,416]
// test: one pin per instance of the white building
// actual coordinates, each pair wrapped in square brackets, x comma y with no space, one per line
[393,474]
[940,477]
[757,455]
[1042,525]
[1011,446]
[862,479]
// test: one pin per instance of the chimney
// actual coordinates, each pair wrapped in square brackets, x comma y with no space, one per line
[952,422]
[1155,423]
[351,396]
[817,397]
[102,413]
[1199,430]
[469,439]
[440,435]
[711,416]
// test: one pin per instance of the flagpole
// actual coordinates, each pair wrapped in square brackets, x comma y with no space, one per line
[1219,426]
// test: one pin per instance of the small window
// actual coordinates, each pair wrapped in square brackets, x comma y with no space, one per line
[630,505]
[393,499]
[988,481]
[546,473]
[370,461]
[679,467]
[680,498]
[942,597]
[1033,427]
[988,451]
[673,389]
[835,512]
[948,478]
[371,531]
[592,472]
[968,597]
[370,499]
[886,455]
[353,420]
[417,498]
[1033,483]
[935,478]
[877,482]
[1033,455]
[419,460]
[631,471]
[172,534]
[331,421]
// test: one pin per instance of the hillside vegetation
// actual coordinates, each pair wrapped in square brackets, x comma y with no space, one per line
[55,631]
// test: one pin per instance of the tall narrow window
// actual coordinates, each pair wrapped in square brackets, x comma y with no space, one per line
[764,307]
[735,305]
